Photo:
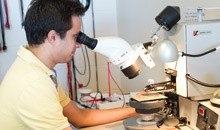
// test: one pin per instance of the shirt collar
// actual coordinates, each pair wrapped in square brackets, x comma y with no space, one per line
[30,58]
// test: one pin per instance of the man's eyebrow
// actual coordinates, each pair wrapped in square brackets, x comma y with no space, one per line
[76,34]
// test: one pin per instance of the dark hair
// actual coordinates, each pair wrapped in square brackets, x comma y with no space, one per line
[45,15]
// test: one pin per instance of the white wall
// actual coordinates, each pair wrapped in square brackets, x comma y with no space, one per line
[14,36]
[133,20]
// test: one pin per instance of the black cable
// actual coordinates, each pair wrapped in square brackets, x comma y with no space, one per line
[89,68]
[22,12]
[85,106]
[198,55]
[93,100]
[75,80]
[94,35]
[96,97]
[87,5]
[202,83]
[84,70]
[2,28]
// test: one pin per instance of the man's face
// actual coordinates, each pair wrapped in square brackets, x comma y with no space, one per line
[67,46]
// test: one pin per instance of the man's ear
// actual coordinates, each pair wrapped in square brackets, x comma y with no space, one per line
[52,36]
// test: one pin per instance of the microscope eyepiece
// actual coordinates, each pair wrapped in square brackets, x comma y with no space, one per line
[84,39]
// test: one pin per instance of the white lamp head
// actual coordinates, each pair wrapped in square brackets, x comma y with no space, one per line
[166,51]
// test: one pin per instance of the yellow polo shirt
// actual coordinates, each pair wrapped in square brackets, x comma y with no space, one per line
[29,99]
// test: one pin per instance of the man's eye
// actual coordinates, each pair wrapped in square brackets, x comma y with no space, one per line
[75,37]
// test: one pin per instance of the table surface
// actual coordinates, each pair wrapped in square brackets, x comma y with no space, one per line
[110,126]
[119,126]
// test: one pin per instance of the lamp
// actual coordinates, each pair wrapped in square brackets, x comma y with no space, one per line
[166,51]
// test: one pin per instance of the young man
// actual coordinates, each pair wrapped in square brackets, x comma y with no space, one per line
[30,98]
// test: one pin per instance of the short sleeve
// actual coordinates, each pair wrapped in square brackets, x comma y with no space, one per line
[63,96]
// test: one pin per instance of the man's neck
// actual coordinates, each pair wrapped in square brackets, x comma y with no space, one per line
[43,54]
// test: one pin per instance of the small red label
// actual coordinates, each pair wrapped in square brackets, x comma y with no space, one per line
[202,112]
